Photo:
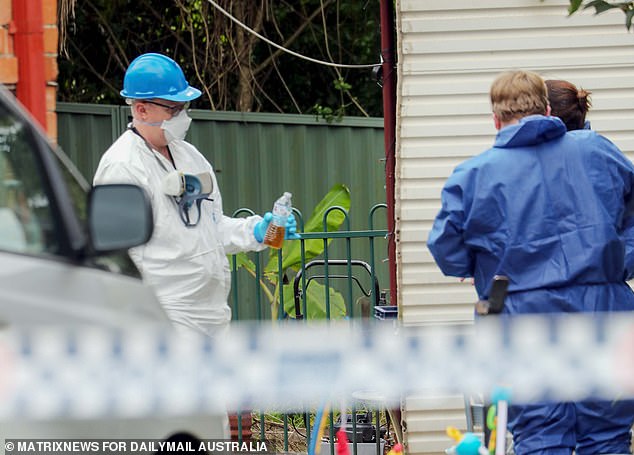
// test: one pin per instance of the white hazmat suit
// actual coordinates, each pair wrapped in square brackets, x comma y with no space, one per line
[186,266]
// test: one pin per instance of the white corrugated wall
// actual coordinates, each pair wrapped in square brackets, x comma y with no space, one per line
[448,55]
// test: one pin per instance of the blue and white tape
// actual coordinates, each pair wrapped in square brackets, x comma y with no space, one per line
[89,372]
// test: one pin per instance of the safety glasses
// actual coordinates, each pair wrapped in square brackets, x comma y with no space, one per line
[173,110]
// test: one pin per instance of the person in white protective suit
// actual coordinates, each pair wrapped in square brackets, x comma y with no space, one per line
[185,261]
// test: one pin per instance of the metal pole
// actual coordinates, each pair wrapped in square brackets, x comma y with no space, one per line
[389,124]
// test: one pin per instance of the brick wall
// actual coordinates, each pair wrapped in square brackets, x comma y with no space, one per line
[9,61]
[51,38]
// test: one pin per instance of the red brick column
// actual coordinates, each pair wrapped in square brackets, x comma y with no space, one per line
[9,62]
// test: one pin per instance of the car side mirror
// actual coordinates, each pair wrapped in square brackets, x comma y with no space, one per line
[119,217]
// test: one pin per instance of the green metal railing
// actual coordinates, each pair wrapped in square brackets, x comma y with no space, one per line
[338,254]
[335,244]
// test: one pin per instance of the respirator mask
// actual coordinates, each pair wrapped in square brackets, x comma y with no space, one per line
[188,190]
[176,128]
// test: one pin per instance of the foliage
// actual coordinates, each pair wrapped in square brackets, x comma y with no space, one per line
[235,70]
[601,6]
[337,196]
[327,113]
[316,302]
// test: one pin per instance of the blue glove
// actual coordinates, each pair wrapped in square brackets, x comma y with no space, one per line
[259,231]
[291,228]
[289,232]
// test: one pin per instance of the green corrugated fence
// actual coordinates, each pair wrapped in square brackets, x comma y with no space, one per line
[256,156]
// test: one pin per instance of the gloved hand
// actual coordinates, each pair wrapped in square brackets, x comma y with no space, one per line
[259,231]
[289,232]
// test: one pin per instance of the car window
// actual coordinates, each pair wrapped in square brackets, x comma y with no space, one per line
[118,262]
[26,222]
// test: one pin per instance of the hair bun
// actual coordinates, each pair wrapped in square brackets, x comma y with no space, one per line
[583,96]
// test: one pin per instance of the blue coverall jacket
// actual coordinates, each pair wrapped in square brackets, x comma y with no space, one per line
[554,212]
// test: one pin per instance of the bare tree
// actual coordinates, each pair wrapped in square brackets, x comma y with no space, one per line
[235,69]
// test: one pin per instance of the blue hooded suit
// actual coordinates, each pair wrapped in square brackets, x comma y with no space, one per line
[554,212]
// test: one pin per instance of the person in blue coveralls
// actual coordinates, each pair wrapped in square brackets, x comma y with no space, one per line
[554,212]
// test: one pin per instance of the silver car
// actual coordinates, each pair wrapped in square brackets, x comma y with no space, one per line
[63,261]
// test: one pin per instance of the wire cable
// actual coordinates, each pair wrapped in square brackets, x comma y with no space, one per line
[263,38]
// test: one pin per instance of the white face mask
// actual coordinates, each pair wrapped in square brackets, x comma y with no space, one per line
[176,127]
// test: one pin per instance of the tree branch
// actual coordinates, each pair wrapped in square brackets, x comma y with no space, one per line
[92,69]
[122,60]
[166,26]
[291,39]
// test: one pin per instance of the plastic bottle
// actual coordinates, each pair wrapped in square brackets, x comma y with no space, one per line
[282,208]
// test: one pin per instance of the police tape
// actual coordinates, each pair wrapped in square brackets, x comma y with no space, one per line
[89,372]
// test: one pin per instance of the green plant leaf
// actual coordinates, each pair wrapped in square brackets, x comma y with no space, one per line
[242,260]
[315,302]
[339,196]
[628,18]
[574,6]
[341,84]
[600,6]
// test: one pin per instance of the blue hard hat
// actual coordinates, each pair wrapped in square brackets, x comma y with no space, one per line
[157,76]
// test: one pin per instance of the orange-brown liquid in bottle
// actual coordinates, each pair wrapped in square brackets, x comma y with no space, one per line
[274,236]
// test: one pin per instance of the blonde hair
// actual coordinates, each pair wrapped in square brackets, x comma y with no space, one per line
[516,94]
